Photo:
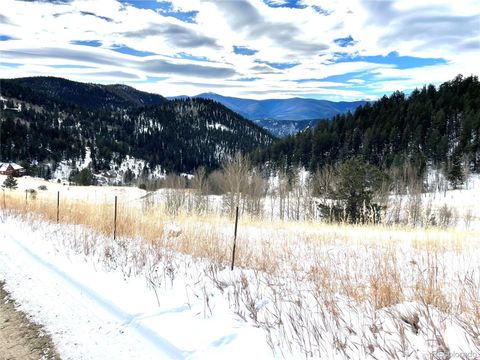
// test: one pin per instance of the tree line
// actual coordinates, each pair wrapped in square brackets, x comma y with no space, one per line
[437,128]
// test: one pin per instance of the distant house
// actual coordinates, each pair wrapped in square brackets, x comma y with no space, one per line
[11,169]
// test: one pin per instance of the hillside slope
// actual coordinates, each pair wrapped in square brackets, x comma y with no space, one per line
[92,96]
[56,125]
[433,126]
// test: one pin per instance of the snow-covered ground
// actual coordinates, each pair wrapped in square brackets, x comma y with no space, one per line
[461,205]
[93,194]
[93,313]
[329,292]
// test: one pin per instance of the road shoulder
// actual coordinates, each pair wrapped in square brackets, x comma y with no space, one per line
[20,338]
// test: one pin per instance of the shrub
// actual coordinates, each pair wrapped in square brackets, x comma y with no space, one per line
[446,216]
[32,193]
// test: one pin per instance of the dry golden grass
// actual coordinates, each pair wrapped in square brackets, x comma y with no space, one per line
[268,245]
[99,216]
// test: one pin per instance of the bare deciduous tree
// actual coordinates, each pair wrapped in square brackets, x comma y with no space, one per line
[200,185]
[255,193]
[235,172]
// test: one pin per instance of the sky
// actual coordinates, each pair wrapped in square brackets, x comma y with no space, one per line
[325,49]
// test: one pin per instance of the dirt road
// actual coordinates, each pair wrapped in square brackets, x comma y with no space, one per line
[20,338]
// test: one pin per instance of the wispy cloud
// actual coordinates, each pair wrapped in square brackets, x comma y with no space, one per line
[176,35]
[4,19]
[280,66]
[167,67]
[332,49]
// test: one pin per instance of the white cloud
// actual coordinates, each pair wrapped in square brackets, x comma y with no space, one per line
[356,81]
[430,29]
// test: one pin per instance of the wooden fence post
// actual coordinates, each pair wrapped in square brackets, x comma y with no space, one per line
[234,239]
[58,206]
[115,220]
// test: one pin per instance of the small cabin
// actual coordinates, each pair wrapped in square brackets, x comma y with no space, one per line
[11,169]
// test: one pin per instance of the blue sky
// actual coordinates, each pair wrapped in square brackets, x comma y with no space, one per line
[325,49]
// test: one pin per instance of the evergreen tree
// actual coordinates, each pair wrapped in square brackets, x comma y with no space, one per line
[455,173]
[10,182]
[353,191]
[83,177]
[128,176]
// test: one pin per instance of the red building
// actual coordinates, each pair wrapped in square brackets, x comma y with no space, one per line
[11,169]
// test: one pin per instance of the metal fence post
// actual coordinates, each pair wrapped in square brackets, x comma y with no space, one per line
[234,239]
[58,206]
[115,220]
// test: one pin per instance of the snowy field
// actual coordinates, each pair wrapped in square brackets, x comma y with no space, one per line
[164,289]
[462,203]
[95,313]
[93,194]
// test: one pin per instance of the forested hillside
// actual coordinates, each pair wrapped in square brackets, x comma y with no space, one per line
[92,96]
[40,122]
[435,126]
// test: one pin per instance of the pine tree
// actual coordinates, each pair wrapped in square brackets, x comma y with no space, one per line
[128,177]
[83,177]
[353,193]
[455,174]
[10,182]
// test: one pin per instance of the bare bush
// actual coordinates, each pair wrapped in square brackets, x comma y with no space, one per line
[446,216]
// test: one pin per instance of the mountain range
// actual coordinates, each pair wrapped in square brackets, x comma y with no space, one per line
[280,117]
[283,109]
[297,113]
[47,120]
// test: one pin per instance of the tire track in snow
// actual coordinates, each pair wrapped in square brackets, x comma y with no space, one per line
[160,343]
